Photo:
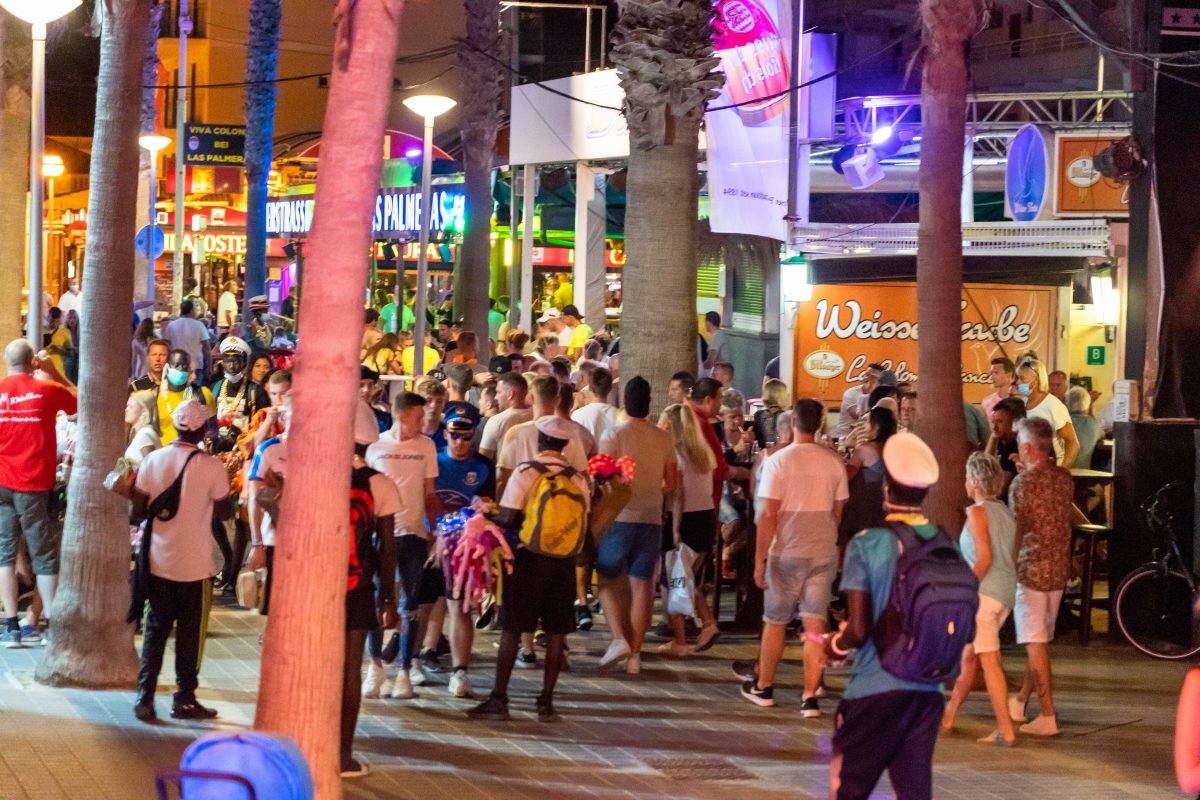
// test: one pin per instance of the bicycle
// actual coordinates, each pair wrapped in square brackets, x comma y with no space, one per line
[1157,606]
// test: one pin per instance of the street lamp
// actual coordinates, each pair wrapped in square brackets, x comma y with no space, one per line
[38,13]
[52,167]
[428,106]
[153,143]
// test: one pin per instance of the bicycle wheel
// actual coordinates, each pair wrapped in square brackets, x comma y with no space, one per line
[1154,612]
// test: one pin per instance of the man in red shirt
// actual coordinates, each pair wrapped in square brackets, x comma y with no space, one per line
[28,457]
[706,402]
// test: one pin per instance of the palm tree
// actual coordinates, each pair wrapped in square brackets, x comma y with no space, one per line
[947,26]
[149,125]
[301,683]
[478,54]
[92,644]
[663,51]
[14,165]
[262,56]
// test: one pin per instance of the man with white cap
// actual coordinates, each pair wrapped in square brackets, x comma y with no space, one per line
[552,514]
[884,722]
[238,398]
[179,586]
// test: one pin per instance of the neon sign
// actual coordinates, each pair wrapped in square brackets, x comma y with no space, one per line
[396,212]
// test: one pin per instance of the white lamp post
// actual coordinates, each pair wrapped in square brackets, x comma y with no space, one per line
[38,13]
[153,143]
[428,106]
[52,167]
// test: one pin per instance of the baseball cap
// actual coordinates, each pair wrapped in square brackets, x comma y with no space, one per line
[909,461]
[887,378]
[549,314]
[571,311]
[190,415]
[554,427]
[459,423]
[500,365]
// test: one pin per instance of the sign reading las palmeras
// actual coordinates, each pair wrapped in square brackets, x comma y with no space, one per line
[844,328]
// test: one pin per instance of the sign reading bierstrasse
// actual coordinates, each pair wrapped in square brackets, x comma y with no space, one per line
[215,145]
[846,327]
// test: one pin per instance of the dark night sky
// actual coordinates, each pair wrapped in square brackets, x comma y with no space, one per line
[72,62]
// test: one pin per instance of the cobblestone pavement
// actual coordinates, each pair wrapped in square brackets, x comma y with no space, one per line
[679,729]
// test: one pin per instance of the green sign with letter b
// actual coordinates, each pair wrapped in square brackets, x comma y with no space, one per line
[1095,355]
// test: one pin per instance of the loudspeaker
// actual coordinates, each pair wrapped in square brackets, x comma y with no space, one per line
[862,169]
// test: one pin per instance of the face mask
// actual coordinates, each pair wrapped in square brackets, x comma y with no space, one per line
[233,377]
[176,377]
[1024,389]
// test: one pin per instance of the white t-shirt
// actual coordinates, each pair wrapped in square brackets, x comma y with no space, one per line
[227,309]
[495,428]
[564,337]
[145,437]
[409,464]
[181,549]
[190,335]
[269,459]
[807,479]
[516,491]
[598,418]
[521,445]
[848,414]
[385,495]
[70,301]
[1053,411]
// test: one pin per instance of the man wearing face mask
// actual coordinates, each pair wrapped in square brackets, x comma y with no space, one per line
[71,299]
[177,387]
[238,398]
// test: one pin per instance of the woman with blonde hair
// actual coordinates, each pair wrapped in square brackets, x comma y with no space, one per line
[775,401]
[692,518]
[141,415]
[547,349]
[1033,385]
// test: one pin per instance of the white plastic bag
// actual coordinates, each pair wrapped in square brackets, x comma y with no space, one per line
[680,581]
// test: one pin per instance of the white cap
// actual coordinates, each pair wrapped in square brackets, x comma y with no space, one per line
[549,314]
[909,461]
[190,416]
[233,344]
[366,425]
[554,427]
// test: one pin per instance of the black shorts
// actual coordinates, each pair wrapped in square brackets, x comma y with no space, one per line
[269,563]
[360,609]
[433,585]
[697,529]
[540,588]
[896,731]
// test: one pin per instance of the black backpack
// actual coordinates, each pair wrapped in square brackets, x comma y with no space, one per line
[930,614]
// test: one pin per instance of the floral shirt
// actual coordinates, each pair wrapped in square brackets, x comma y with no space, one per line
[1041,500]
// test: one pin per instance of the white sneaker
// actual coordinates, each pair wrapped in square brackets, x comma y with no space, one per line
[634,664]
[460,684]
[617,650]
[1041,726]
[419,677]
[402,687]
[373,682]
[1016,709]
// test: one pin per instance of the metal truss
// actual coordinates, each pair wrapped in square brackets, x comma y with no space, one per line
[1082,238]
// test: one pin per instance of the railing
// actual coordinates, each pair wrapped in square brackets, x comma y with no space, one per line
[1031,46]
[1052,238]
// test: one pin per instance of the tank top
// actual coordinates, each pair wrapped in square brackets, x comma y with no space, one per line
[1000,582]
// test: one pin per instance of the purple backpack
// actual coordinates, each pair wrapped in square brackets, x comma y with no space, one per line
[930,614]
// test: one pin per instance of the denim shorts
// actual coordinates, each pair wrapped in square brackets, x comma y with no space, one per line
[797,583]
[629,547]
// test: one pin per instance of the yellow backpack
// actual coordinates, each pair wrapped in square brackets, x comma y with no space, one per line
[555,513]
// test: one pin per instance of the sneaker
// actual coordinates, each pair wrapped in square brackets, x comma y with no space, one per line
[417,673]
[494,709]
[402,686]
[527,660]
[633,665]
[996,738]
[31,634]
[617,651]
[745,670]
[673,650]
[1016,709]
[708,637]
[373,682]
[460,684]
[443,646]
[353,768]
[487,612]
[820,689]
[144,711]
[1041,726]
[760,697]
[391,650]
[810,708]
[11,638]
[429,661]
[545,710]
[191,709]
[583,617]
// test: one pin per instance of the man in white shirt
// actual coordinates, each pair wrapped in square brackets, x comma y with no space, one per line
[189,334]
[800,498]
[180,559]
[511,391]
[853,397]
[227,306]
[598,416]
[409,458]
[521,442]
[72,298]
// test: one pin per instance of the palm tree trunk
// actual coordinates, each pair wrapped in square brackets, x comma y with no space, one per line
[300,688]
[947,27]
[14,165]
[262,57]
[478,121]
[92,644]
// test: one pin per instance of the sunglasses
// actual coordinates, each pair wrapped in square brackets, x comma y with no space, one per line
[462,437]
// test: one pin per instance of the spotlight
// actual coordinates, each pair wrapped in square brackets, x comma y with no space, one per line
[1121,161]
[389,251]
[881,135]
[859,165]
[841,156]
[289,250]
[412,153]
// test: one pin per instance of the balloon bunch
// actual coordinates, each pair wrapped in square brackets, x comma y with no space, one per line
[474,556]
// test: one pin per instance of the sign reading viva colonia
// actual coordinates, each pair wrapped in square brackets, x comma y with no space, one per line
[396,212]
[846,327]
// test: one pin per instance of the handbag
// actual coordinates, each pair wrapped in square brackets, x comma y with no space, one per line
[250,584]
[608,502]
[164,507]
[680,581]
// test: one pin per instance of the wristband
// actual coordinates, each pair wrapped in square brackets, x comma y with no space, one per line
[814,637]
[833,645]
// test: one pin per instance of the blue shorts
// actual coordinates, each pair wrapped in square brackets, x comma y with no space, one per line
[629,547]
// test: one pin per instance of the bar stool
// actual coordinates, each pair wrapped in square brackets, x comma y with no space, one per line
[1090,536]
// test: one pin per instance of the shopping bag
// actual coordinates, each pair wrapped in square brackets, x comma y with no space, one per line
[680,582]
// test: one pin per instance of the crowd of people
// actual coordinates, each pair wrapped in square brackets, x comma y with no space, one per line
[769,491]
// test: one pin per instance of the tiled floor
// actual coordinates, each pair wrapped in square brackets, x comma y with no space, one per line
[677,730]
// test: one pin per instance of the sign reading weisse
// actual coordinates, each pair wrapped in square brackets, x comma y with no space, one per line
[1080,190]
[844,328]
[215,145]
[396,212]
